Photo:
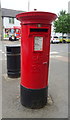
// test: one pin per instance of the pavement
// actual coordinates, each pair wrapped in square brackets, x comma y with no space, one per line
[58,87]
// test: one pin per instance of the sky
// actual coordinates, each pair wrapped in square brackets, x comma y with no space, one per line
[54,6]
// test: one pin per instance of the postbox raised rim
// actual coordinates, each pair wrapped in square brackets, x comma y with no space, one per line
[36,17]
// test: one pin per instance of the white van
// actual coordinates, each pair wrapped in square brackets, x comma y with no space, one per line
[55,39]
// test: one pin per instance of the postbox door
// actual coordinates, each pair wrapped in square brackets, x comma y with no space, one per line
[40,61]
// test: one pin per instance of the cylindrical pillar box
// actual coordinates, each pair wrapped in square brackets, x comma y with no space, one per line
[35,47]
[13,61]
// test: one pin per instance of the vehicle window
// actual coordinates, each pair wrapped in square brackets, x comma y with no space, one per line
[64,37]
[12,30]
[60,37]
[55,37]
[17,30]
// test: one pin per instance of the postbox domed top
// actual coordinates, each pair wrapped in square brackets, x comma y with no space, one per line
[36,17]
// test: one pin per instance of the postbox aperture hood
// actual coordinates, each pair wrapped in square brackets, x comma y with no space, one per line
[36,17]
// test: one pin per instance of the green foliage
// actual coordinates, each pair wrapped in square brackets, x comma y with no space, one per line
[62,24]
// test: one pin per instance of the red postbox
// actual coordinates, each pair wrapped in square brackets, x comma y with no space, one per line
[35,47]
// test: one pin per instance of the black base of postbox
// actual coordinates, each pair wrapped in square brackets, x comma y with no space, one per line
[13,74]
[33,98]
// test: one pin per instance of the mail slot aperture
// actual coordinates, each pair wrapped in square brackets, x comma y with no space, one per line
[38,30]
